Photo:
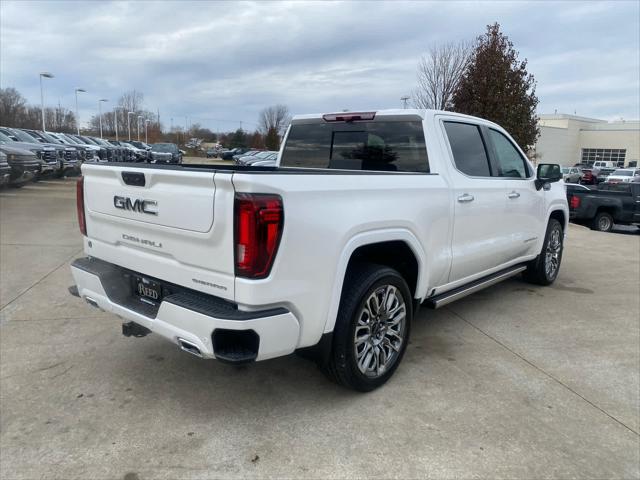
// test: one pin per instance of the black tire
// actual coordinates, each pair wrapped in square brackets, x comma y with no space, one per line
[537,271]
[603,222]
[360,283]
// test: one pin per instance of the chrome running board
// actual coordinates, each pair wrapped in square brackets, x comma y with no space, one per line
[445,298]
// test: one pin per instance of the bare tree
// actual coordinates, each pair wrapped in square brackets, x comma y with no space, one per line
[59,119]
[12,107]
[275,118]
[131,101]
[439,72]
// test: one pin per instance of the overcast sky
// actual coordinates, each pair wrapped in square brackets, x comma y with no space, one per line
[220,63]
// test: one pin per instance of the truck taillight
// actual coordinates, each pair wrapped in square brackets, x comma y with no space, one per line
[82,222]
[258,221]
[574,202]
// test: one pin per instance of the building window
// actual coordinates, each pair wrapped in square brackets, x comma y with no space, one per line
[590,155]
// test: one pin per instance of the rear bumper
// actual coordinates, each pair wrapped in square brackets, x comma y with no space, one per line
[202,320]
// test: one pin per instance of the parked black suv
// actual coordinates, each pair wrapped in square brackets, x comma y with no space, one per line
[73,155]
[166,153]
[23,164]
[49,157]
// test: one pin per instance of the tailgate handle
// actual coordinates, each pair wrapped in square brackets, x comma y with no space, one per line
[135,179]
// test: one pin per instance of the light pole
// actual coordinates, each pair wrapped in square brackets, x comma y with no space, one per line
[100,113]
[146,131]
[139,117]
[81,90]
[405,99]
[129,122]
[45,75]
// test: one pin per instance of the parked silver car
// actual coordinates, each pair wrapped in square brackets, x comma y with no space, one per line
[571,174]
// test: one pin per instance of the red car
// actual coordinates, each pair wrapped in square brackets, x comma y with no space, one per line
[589,177]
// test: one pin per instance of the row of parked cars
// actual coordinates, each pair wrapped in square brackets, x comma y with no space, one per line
[245,156]
[27,154]
[597,174]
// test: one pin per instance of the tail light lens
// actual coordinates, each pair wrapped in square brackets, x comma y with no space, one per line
[82,222]
[259,219]
[574,202]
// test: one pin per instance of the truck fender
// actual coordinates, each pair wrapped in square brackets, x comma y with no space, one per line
[368,238]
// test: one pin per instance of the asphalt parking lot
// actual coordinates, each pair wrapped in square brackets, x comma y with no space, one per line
[516,381]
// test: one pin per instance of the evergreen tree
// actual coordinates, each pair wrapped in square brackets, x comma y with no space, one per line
[272,140]
[497,86]
[238,139]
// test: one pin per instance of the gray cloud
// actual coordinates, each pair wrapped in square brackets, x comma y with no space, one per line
[220,63]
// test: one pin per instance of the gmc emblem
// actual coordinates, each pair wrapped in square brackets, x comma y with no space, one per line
[137,205]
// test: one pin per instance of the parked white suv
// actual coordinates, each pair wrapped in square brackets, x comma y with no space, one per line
[603,164]
[624,175]
[367,216]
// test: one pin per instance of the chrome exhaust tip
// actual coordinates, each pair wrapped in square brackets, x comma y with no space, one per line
[189,347]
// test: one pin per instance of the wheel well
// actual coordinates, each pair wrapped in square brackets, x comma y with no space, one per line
[395,254]
[609,210]
[559,215]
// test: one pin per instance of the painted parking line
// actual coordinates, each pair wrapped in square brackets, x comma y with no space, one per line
[46,187]
[31,195]
[61,182]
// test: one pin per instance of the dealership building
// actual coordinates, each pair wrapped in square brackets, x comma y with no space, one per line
[570,139]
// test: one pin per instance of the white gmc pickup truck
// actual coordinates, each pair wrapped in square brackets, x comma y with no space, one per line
[367,216]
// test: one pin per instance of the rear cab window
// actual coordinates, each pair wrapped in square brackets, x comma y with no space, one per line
[378,145]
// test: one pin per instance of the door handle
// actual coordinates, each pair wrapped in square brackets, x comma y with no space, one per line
[513,194]
[465,198]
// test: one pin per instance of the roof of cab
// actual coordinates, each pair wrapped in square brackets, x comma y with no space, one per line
[389,114]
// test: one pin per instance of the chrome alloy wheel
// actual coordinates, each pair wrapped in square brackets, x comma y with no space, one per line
[380,331]
[604,223]
[552,253]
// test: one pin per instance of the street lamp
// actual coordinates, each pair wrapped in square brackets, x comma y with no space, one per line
[45,75]
[146,133]
[100,112]
[81,90]
[139,117]
[129,122]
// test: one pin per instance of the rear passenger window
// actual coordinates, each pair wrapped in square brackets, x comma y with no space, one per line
[510,162]
[468,150]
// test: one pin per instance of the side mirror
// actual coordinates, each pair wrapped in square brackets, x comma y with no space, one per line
[547,173]
[182,152]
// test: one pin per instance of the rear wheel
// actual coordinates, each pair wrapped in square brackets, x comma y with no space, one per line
[544,269]
[372,328]
[603,222]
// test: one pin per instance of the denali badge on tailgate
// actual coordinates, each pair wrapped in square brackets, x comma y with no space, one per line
[137,205]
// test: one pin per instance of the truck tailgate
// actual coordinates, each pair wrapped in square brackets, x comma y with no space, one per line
[174,225]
